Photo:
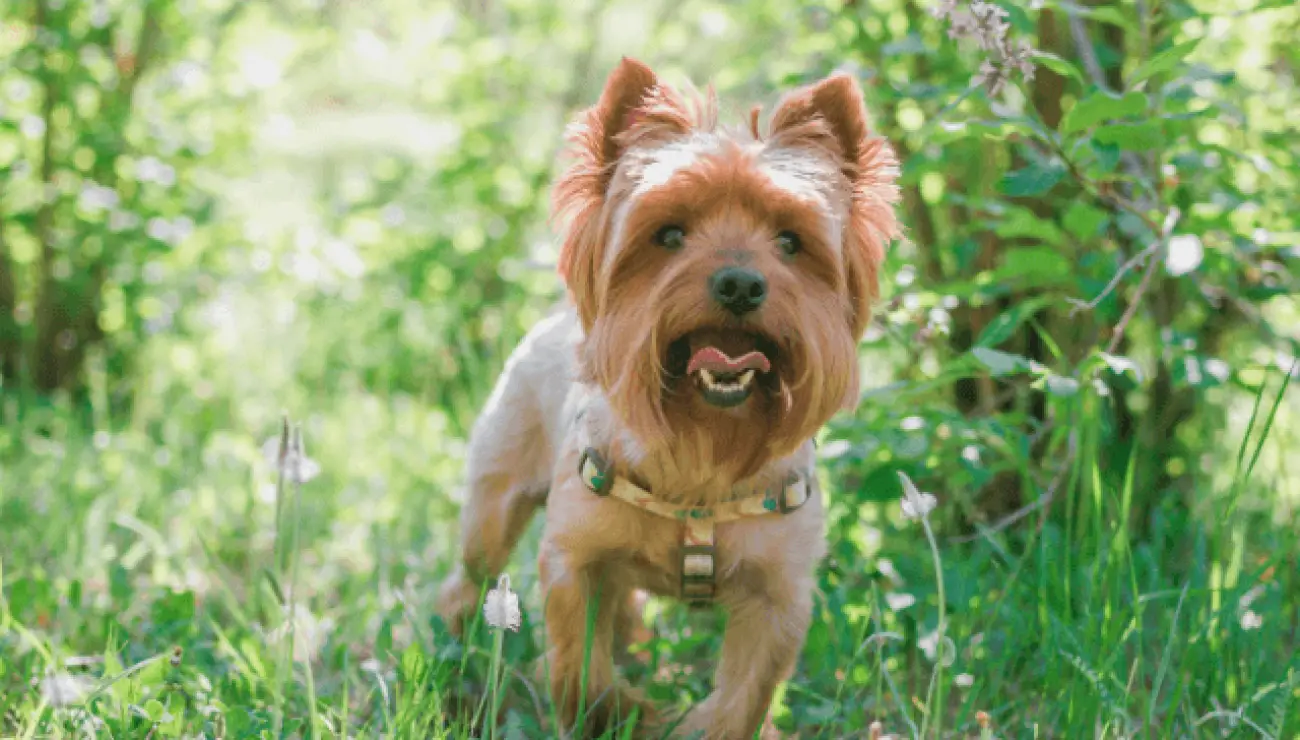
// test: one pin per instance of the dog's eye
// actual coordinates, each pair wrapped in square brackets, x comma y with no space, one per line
[789,243]
[671,237]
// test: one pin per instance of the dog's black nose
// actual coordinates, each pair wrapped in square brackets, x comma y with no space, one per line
[738,289]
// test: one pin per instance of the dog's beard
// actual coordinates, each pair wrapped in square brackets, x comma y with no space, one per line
[756,390]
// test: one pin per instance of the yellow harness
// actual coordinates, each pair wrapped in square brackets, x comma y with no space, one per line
[699,566]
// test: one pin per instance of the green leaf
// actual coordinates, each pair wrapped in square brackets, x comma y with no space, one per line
[1002,327]
[1101,106]
[1084,221]
[1062,67]
[1034,179]
[1039,265]
[1164,61]
[1022,223]
[1110,15]
[1131,136]
[999,363]
[154,709]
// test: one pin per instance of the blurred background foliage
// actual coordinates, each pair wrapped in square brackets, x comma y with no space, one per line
[212,211]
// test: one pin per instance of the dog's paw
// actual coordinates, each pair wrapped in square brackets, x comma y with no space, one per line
[615,711]
[457,602]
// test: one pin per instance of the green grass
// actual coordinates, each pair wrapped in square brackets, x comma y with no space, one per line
[151,571]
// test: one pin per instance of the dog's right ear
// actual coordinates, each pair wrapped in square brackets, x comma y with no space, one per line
[631,96]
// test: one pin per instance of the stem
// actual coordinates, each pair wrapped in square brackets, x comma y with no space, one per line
[494,682]
[940,630]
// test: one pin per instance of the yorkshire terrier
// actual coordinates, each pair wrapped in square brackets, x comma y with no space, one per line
[720,282]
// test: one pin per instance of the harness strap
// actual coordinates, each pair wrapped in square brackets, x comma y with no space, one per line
[698,551]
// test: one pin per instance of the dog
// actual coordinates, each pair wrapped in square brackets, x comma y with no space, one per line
[720,281]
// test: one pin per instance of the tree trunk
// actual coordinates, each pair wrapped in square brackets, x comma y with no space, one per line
[53,340]
[10,336]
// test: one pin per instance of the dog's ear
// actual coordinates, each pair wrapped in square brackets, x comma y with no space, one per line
[830,115]
[632,99]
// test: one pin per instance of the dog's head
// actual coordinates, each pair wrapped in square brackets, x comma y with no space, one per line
[724,277]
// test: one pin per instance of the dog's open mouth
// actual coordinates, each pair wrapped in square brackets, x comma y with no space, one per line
[725,366]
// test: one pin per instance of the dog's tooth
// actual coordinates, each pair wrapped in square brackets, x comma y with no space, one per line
[746,377]
[707,377]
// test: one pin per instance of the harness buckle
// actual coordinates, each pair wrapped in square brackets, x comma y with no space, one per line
[793,495]
[699,566]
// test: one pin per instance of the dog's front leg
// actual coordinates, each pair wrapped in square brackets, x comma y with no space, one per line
[582,607]
[765,633]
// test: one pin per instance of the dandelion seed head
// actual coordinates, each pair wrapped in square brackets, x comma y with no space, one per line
[287,457]
[501,606]
[915,504]
[64,689]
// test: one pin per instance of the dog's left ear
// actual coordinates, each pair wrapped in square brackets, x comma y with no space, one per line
[830,115]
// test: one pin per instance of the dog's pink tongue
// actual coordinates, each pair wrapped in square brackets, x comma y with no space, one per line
[717,361]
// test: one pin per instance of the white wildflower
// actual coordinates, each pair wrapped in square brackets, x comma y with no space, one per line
[971,454]
[912,423]
[991,77]
[944,8]
[886,568]
[899,601]
[943,651]
[1120,365]
[986,23]
[288,457]
[915,504]
[1251,621]
[1185,254]
[964,680]
[64,689]
[1022,59]
[501,607]
[961,25]
[940,319]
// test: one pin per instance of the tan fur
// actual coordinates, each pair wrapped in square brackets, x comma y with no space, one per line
[596,375]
